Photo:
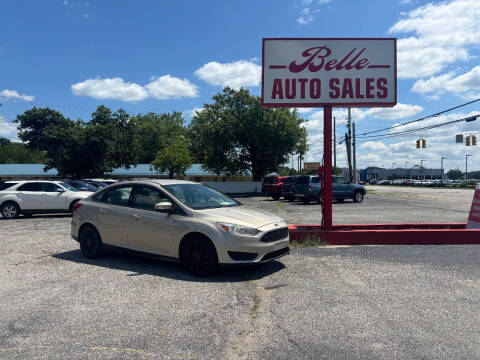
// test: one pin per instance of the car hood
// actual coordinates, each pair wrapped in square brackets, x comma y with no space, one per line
[240,215]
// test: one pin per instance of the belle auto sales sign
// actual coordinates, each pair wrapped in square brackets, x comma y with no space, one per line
[338,72]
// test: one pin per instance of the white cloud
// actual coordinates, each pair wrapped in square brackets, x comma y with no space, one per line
[7,129]
[168,87]
[14,95]
[309,9]
[234,74]
[305,16]
[399,111]
[114,88]
[443,32]
[466,85]
[374,146]
[164,87]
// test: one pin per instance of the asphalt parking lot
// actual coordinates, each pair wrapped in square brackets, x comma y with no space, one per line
[364,302]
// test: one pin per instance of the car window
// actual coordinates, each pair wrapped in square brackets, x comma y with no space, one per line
[118,196]
[199,196]
[68,186]
[315,180]
[4,186]
[35,186]
[146,198]
[302,180]
[49,187]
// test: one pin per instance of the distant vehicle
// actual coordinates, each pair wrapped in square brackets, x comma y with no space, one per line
[288,188]
[179,221]
[383,182]
[82,185]
[39,197]
[103,181]
[273,187]
[308,188]
[372,182]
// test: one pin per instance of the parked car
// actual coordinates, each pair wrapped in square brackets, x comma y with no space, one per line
[180,221]
[288,188]
[34,197]
[82,185]
[307,188]
[273,187]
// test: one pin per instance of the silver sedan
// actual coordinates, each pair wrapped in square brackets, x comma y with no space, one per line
[180,221]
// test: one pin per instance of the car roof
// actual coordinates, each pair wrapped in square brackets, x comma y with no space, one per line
[156,181]
[34,181]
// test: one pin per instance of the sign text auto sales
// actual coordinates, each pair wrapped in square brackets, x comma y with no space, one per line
[316,72]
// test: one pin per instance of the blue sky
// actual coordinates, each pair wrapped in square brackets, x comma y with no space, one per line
[174,55]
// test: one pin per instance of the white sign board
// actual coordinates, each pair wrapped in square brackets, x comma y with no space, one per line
[338,72]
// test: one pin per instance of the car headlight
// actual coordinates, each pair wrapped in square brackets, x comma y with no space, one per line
[238,229]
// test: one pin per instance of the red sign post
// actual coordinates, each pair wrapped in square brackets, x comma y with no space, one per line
[329,72]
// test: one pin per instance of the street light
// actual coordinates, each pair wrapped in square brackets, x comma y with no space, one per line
[441,167]
[466,168]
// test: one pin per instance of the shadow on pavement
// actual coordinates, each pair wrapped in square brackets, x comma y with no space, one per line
[139,265]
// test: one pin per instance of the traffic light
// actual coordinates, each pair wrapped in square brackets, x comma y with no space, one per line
[424,143]
[467,141]
[418,144]
[474,140]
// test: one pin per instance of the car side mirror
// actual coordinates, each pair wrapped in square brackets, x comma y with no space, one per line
[163,206]
[59,189]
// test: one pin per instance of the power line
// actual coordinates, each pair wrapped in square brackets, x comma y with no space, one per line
[421,119]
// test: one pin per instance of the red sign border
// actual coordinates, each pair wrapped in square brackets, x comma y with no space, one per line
[320,104]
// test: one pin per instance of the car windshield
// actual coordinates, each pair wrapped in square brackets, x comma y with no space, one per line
[68,187]
[4,186]
[200,197]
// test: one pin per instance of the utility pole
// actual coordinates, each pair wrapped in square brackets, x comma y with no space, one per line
[334,146]
[441,167]
[466,168]
[349,144]
[354,157]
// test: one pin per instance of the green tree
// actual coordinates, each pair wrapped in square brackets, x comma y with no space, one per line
[454,174]
[19,153]
[236,134]
[154,132]
[174,159]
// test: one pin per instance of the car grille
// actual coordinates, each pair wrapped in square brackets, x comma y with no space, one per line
[275,235]
[276,253]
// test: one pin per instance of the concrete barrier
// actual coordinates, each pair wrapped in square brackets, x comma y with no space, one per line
[228,187]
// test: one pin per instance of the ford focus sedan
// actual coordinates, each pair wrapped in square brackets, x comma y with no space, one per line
[179,221]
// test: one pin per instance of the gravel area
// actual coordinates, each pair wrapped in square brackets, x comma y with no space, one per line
[364,302]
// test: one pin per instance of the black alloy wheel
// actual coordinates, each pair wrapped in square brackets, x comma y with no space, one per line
[200,257]
[91,244]
[358,197]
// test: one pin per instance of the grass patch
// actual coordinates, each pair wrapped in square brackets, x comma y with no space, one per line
[256,305]
[309,241]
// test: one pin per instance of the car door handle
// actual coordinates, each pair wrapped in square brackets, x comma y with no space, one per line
[101,211]
[136,216]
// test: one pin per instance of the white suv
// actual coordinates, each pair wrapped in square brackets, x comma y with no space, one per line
[34,197]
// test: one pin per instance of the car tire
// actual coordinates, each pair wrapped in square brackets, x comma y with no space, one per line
[70,208]
[318,199]
[291,198]
[275,197]
[358,197]
[91,244]
[199,257]
[10,210]
[306,200]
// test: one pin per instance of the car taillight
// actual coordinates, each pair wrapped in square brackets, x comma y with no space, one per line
[76,206]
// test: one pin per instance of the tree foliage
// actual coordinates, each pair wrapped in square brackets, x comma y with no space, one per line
[236,134]
[454,174]
[174,159]
[18,153]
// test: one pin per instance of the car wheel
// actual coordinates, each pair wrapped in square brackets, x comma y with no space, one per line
[306,200]
[291,198]
[10,210]
[199,257]
[358,197]
[275,197]
[91,244]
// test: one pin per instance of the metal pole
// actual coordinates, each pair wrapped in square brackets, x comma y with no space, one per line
[441,168]
[466,168]
[354,157]
[349,144]
[327,166]
[334,145]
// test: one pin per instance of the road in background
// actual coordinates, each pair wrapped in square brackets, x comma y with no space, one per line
[382,204]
